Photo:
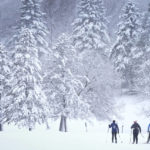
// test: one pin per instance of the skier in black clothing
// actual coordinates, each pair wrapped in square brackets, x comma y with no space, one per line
[148,130]
[136,129]
[115,130]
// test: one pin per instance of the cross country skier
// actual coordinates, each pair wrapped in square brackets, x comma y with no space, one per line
[148,130]
[136,129]
[115,130]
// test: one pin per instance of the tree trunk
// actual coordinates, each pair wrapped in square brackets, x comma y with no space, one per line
[1,127]
[86,130]
[63,124]
[47,125]
[30,129]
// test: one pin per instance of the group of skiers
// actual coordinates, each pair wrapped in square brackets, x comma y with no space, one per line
[135,128]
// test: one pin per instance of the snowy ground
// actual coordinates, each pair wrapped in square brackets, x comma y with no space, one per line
[97,137]
[61,141]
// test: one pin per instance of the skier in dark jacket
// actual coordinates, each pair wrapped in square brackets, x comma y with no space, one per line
[136,129]
[115,130]
[148,130]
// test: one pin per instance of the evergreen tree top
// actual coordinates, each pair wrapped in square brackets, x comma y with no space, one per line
[129,11]
[89,8]
[146,20]
[89,28]
[129,24]
[31,13]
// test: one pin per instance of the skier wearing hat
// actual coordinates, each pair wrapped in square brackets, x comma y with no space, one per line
[115,130]
[136,129]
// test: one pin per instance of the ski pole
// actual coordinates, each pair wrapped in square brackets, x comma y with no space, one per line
[122,128]
[142,135]
[130,136]
[108,130]
[120,138]
[107,134]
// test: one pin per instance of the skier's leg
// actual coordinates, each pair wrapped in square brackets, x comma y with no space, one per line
[148,138]
[133,138]
[137,138]
[112,137]
[115,137]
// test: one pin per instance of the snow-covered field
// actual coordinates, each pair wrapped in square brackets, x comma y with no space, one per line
[65,141]
[97,137]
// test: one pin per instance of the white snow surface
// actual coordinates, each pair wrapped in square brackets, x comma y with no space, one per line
[97,137]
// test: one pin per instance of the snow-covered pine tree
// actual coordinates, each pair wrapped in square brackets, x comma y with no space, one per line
[91,39]
[27,91]
[26,103]
[4,78]
[32,17]
[124,49]
[143,46]
[89,28]
[64,84]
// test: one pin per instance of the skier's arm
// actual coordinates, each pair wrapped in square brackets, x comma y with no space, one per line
[139,128]
[148,130]
[110,125]
[132,126]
